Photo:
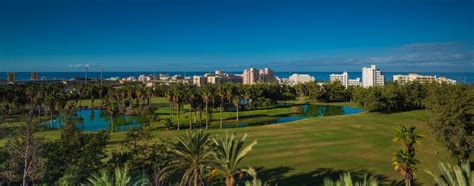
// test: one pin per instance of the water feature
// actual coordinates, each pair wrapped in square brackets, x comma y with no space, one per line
[95,120]
[303,111]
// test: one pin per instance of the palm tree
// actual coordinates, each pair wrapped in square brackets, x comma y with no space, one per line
[121,177]
[206,97]
[178,100]
[453,175]
[230,152]
[404,160]
[169,96]
[193,155]
[407,136]
[346,180]
[221,93]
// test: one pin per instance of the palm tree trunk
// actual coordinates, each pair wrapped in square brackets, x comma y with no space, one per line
[200,117]
[229,181]
[220,113]
[177,114]
[207,115]
[237,112]
[190,118]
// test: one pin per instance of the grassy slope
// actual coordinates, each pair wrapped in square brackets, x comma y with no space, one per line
[306,151]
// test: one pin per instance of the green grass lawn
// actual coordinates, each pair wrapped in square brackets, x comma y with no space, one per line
[306,151]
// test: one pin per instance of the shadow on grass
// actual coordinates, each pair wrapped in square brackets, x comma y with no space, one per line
[316,177]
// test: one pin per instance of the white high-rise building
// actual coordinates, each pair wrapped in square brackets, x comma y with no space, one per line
[343,78]
[371,76]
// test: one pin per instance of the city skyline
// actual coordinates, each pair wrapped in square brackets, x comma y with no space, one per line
[185,36]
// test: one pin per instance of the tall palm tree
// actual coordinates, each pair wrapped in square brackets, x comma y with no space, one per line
[178,98]
[221,94]
[405,163]
[456,175]
[404,159]
[207,93]
[230,153]
[193,155]
[235,95]
[407,136]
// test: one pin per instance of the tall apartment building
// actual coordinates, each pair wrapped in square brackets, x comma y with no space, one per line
[11,76]
[253,76]
[266,75]
[199,80]
[371,76]
[250,76]
[343,78]
[34,76]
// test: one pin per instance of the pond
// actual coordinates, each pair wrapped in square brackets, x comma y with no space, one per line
[304,111]
[94,120]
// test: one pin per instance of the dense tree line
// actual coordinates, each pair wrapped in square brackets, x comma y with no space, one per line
[393,97]
[452,118]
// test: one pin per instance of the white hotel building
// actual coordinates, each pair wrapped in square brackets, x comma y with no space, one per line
[371,76]
[344,79]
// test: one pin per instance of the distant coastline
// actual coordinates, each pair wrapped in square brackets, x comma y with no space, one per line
[460,77]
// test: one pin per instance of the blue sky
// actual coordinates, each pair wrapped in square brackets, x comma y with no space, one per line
[286,35]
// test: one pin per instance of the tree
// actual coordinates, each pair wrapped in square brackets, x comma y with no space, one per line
[221,94]
[192,156]
[404,160]
[452,118]
[25,149]
[207,94]
[347,180]
[230,152]
[120,177]
[457,175]
[75,155]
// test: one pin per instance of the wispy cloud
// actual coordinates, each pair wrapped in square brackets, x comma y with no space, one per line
[417,54]
[435,45]
[84,65]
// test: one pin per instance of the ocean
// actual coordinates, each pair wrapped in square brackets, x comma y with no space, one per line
[460,77]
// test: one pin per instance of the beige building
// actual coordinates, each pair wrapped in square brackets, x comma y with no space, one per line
[300,78]
[34,76]
[11,76]
[403,79]
[253,76]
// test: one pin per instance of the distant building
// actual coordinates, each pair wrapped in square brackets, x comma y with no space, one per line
[199,80]
[266,75]
[354,82]
[11,76]
[250,76]
[34,76]
[300,78]
[445,80]
[371,76]
[144,78]
[253,76]
[403,79]
[343,78]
